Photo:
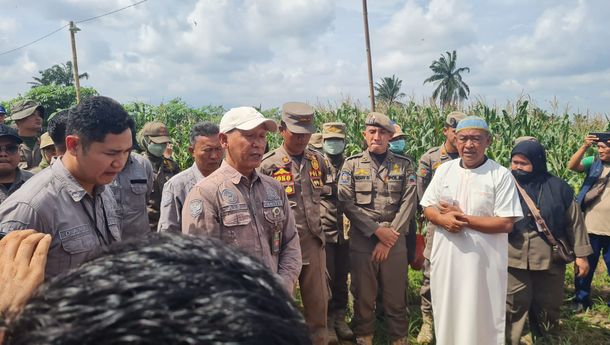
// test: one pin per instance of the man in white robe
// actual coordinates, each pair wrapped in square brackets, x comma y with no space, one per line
[473,202]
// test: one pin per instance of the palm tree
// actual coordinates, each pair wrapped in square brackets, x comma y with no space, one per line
[388,90]
[450,87]
[58,75]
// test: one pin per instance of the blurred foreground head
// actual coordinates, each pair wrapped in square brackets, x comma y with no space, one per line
[162,289]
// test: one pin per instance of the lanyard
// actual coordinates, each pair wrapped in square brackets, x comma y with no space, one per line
[93,220]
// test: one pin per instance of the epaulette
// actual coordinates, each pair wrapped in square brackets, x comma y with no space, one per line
[357,155]
[405,156]
[268,154]
[433,149]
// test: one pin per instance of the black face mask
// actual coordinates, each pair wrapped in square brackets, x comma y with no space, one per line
[523,176]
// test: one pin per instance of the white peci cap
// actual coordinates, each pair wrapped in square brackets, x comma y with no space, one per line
[245,118]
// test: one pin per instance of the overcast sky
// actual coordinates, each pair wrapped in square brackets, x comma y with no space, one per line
[266,52]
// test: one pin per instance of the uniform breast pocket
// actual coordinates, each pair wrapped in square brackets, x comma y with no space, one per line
[138,188]
[395,190]
[274,215]
[364,190]
[77,240]
[233,219]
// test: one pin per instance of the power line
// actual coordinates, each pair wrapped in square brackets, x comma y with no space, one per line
[63,27]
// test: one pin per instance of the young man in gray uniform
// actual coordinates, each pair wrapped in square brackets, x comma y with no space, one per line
[11,176]
[207,151]
[69,200]
[379,196]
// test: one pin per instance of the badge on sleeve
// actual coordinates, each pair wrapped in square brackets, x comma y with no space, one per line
[412,180]
[196,207]
[345,178]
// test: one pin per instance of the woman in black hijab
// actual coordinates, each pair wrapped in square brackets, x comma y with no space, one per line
[535,282]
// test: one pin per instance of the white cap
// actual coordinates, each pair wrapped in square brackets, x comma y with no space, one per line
[245,118]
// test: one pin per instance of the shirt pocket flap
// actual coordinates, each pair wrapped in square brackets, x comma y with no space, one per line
[139,188]
[236,218]
[363,191]
[77,240]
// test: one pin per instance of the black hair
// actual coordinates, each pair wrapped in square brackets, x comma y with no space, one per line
[162,288]
[97,116]
[203,128]
[57,128]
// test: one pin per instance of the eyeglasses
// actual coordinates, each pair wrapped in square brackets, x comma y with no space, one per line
[9,149]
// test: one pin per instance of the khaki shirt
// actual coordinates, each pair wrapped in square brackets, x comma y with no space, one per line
[53,202]
[174,194]
[163,169]
[253,216]
[331,212]
[20,177]
[29,158]
[303,185]
[428,163]
[374,196]
[131,189]
[530,250]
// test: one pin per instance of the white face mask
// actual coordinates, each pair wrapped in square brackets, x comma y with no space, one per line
[333,146]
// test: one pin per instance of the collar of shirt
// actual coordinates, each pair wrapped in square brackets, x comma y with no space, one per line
[234,175]
[196,172]
[76,191]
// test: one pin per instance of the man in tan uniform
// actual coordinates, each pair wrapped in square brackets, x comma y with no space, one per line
[337,245]
[28,116]
[241,207]
[428,163]
[379,196]
[69,200]
[47,151]
[153,139]
[11,177]
[303,173]
[207,151]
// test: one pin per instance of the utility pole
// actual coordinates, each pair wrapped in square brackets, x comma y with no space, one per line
[73,30]
[368,54]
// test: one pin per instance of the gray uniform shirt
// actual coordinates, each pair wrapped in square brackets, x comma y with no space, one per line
[131,189]
[53,202]
[174,194]
[20,177]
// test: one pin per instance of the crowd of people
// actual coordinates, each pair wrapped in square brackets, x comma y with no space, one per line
[98,219]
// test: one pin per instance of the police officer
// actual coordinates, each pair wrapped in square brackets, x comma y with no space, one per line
[303,173]
[2,114]
[11,177]
[69,200]
[153,139]
[28,116]
[337,245]
[379,196]
[428,163]
[47,151]
[241,207]
[207,152]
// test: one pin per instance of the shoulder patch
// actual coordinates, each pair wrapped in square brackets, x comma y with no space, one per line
[196,207]
[345,178]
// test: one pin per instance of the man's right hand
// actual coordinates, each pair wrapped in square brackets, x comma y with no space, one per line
[590,140]
[387,236]
[452,221]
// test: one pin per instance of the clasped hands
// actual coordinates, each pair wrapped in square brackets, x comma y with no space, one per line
[452,217]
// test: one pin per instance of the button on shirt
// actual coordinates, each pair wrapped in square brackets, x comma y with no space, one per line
[53,202]
[174,194]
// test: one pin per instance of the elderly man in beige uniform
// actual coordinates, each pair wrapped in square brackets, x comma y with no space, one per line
[207,151]
[241,207]
[379,196]
[28,116]
[69,200]
[303,173]
[11,177]
[428,163]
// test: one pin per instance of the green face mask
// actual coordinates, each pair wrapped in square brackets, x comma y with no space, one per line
[333,147]
[398,146]
[156,149]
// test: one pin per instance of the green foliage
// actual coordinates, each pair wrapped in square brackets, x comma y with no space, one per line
[388,90]
[61,74]
[450,88]
[55,97]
